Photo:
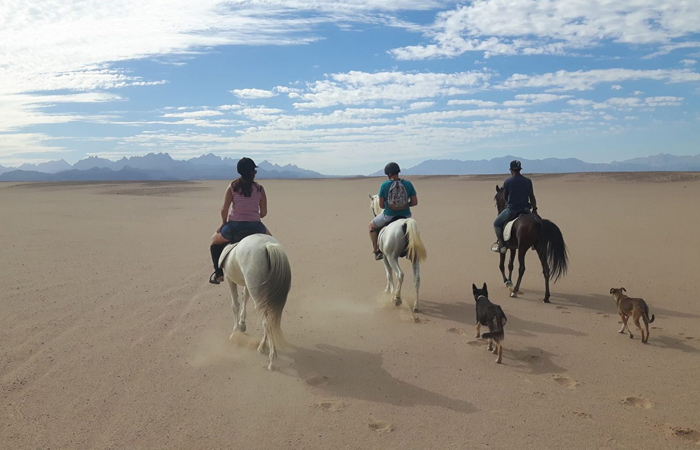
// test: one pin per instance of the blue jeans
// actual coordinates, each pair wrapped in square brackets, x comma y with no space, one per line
[229,230]
[507,215]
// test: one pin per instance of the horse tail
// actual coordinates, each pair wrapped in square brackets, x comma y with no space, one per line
[272,293]
[551,245]
[416,250]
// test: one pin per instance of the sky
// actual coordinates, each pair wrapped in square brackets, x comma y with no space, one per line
[344,86]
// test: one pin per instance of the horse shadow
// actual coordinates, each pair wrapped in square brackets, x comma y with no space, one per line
[605,304]
[360,375]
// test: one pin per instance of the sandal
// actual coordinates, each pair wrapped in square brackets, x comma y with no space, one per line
[216,279]
[378,255]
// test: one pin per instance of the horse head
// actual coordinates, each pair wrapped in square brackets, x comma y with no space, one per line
[374,205]
[500,198]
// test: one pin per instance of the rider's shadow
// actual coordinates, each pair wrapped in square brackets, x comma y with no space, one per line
[358,374]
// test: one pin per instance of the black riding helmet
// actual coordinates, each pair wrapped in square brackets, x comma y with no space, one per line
[391,168]
[245,166]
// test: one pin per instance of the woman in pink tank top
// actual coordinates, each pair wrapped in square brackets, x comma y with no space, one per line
[245,203]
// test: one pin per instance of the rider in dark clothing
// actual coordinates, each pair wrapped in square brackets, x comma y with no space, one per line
[520,197]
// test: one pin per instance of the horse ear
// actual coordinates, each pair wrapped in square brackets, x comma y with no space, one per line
[623,289]
[498,189]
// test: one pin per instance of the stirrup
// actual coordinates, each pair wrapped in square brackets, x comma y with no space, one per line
[214,278]
[378,255]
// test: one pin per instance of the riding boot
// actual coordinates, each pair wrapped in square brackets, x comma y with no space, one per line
[501,243]
[216,251]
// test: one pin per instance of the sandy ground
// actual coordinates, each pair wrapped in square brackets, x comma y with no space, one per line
[111,337]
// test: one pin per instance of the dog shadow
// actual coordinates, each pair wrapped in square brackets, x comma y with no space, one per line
[464,313]
[668,342]
[605,304]
[532,360]
[360,375]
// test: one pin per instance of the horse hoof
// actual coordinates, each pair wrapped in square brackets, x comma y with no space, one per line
[397,301]
[513,295]
[272,367]
[416,310]
[261,349]
[241,326]
[498,361]
[231,337]
[546,300]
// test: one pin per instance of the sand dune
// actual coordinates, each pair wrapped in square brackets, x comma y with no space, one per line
[111,337]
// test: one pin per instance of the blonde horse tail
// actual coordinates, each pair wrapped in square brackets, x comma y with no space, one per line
[416,249]
[272,293]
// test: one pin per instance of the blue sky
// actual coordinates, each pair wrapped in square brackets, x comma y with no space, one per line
[343,86]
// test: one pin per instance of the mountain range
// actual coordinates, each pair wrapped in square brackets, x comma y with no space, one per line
[161,166]
[153,166]
[657,163]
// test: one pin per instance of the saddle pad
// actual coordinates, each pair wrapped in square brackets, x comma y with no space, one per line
[508,228]
[225,253]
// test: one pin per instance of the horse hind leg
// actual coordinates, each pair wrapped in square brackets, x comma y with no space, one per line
[394,263]
[416,282]
[242,315]
[389,276]
[267,340]
[234,305]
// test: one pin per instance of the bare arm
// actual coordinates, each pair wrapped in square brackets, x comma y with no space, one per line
[413,201]
[228,200]
[263,203]
[533,200]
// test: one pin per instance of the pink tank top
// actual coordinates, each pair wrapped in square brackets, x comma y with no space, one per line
[246,209]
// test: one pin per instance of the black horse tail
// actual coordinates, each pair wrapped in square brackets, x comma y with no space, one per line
[551,246]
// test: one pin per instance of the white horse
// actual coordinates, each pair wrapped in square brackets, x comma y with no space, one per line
[259,264]
[399,238]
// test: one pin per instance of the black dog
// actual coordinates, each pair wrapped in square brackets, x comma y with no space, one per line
[492,316]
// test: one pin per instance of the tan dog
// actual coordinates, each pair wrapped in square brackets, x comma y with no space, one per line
[635,307]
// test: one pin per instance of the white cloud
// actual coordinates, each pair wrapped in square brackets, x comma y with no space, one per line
[627,103]
[586,80]
[616,87]
[194,114]
[479,103]
[253,93]
[507,27]
[688,62]
[531,99]
[386,87]
[421,105]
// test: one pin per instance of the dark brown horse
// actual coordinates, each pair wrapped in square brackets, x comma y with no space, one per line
[531,231]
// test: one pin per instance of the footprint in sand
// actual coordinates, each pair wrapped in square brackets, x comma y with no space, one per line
[689,337]
[477,343]
[583,415]
[686,433]
[560,307]
[331,405]
[457,330]
[380,426]
[566,312]
[317,380]
[539,394]
[565,381]
[417,319]
[606,315]
[639,402]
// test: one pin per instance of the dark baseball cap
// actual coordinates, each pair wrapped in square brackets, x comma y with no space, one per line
[515,165]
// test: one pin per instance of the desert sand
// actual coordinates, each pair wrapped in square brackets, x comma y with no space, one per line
[111,336]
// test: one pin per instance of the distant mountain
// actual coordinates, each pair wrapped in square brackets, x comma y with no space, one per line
[551,165]
[4,169]
[153,166]
[47,167]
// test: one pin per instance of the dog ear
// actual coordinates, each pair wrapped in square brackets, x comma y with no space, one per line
[623,289]
[612,290]
[473,287]
[484,287]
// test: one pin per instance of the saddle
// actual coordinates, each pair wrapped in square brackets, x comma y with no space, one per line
[238,237]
